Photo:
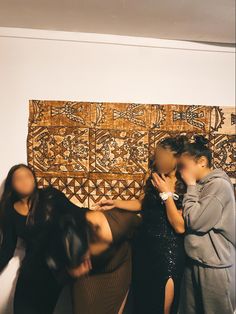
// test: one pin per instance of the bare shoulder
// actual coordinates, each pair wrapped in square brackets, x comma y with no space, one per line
[102,227]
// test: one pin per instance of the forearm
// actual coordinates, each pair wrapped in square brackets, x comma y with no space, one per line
[191,199]
[175,218]
[130,205]
[201,213]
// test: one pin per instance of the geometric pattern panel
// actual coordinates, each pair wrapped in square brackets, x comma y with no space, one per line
[92,150]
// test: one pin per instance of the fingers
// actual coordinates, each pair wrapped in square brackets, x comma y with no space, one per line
[107,207]
[87,264]
[109,202]
[105,204]
[163,177]
[90,264]
[155,178]
[102,202]
[183,173]
[158,178]
[154,183]
[95,207]
[82,269]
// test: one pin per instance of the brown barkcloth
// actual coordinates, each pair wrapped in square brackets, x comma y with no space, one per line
[94,150]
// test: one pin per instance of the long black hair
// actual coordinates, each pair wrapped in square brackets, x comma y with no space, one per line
[175,144]
[10,195]
[69,232]
[199,148]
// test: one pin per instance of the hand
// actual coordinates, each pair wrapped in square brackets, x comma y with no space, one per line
[188,176]
[160,183]
[82,269]
[104,205]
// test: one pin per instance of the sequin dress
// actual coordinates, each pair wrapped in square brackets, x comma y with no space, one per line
[158,255]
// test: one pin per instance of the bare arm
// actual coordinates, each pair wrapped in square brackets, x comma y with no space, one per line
[130,205]
[174,216]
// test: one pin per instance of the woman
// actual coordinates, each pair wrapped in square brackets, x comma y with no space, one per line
[60,238]
[159,252]
[105,288]
[34,215]
[209,213]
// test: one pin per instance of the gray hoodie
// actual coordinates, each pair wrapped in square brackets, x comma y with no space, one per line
[209,213]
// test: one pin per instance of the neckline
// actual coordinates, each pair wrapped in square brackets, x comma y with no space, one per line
[24,216]
[203,179]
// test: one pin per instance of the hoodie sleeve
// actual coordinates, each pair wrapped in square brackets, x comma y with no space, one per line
[203,211]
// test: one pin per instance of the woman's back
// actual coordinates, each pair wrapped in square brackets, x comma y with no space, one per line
[106,287]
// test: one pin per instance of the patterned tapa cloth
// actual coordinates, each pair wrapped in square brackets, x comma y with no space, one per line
[101,150]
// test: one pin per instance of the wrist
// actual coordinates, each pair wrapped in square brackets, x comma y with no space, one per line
[165,191]
[116,203]
[191,188]
[165,195]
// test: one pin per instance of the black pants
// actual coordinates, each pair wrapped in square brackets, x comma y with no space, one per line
[37,289]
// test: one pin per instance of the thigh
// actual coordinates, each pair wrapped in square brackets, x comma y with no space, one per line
[188,294]
[37,291]
[215,290]
[231,278]
[102,293]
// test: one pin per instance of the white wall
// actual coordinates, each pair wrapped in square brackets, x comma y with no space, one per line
[53,65]
[67,66]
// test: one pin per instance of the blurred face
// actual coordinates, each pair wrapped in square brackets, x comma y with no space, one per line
[192,165]
[23,182]
[165,160]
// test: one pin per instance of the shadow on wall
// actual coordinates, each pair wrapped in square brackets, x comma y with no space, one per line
[2,187]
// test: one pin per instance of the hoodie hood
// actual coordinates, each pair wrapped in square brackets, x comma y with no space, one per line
[216,173]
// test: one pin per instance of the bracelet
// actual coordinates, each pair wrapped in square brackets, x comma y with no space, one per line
[164,195]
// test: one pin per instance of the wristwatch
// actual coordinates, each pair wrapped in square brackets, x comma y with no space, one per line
[164,195]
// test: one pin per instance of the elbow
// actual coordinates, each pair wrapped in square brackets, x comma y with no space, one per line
[179,229]
[194,226]
[197,229]
[139,205]
[139,208]
[178,226]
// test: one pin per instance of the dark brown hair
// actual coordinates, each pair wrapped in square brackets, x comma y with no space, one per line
[10,195]
[176,146]
[199,148]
